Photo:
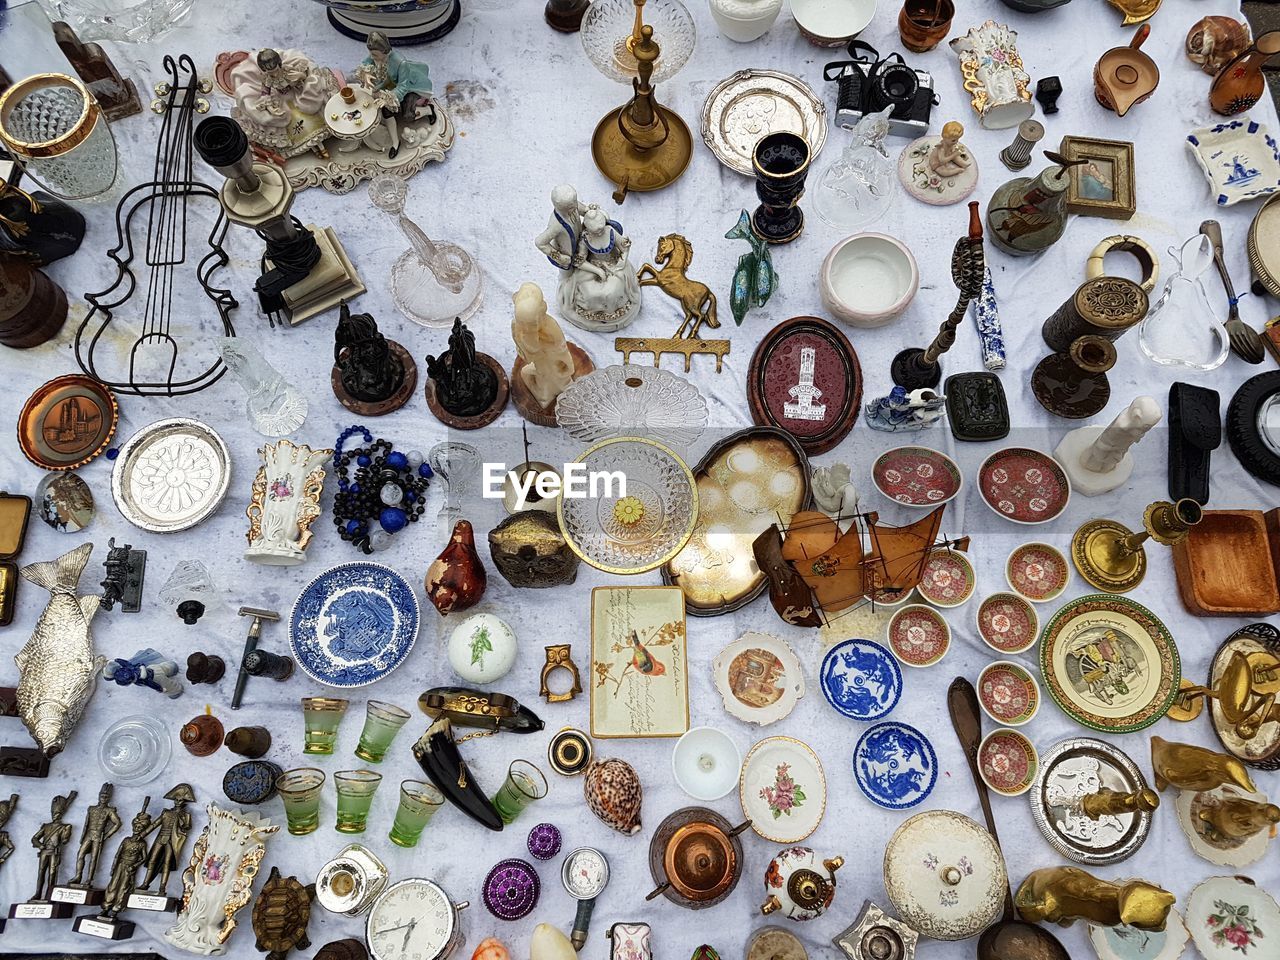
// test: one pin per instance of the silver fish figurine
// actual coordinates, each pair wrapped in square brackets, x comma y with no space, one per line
[58,670]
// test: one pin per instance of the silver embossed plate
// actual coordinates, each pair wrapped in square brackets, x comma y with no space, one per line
[752,103]
[171,475]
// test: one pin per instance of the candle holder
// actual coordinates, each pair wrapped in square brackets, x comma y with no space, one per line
[321,716]
[355,796]
[781,164]
[419,802]
[300,791]
[1111,557]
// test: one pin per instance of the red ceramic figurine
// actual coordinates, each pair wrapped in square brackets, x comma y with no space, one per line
[456,579]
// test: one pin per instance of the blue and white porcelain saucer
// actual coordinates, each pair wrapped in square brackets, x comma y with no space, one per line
[895,765]
[353,624]
[861,679]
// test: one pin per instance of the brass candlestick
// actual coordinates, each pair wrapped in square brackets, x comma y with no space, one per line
[1111,557]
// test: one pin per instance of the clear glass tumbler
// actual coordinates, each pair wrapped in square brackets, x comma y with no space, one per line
[300,791]
[355,795]
[322,715]
[524,784]
[382,722]
[419,802]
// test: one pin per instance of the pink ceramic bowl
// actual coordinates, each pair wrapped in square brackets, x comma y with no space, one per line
[868,279]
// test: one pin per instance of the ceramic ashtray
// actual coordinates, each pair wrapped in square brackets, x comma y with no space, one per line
[1007,762]
[1239,158]
[1038,571]
[1007,623]
[1008,693]
[868,279]
[948,579]
[918,635]
[917,476]
[706,763]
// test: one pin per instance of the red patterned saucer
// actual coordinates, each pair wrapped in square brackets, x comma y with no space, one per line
[1007,762]
[1024,485]
[918,636]
[917,476]
[948,579]
[1038,571]
[1008,693]
[1007,623]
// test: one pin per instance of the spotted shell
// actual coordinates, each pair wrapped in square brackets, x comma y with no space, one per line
[491,948]
[1214,41]
[613,793]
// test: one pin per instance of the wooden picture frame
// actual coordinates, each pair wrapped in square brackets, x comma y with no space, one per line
[1105,187]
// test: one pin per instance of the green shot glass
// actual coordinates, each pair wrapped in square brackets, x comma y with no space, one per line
[321,716]
[419,802]
[382,722]
[300,791]
[524,784]
[355,795]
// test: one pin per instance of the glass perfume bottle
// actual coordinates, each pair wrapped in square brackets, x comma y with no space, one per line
[432,283]
[855,189]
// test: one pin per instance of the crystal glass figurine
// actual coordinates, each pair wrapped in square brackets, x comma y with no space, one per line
[134,21]
[432,283]
[856,187]
[190,579]
[1182,329]
[273,405]
[457,465]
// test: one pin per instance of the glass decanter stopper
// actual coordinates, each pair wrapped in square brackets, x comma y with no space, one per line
[1182,329]
[855,189]
[431,283]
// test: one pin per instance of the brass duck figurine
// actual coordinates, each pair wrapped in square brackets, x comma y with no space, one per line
[1188,767]
[1063,895]
[1238,818]
[1135,11]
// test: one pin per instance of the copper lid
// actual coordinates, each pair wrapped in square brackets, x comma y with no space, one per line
[700,861]
[67,422]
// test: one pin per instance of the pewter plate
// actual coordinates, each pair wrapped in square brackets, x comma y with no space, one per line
[1264,248]
[753,103]
[171,475]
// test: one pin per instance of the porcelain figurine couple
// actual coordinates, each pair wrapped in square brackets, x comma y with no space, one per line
[599,289]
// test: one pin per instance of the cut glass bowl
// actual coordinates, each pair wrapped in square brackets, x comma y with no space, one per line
[610,24]
[630,400]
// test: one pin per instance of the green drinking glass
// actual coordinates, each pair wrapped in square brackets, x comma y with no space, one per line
[419,802]
[382,722]
[524,784]
[355,795]
[321,716]
[300,791]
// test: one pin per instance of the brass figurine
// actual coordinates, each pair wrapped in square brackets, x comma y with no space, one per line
[1188,767]
[6,811]
[101,822]
[558,658]
[1111,557]
[1063,895]
[124,868]
[1110,803]
[1237,818]
[1245,692]
[171,828]
[49,841]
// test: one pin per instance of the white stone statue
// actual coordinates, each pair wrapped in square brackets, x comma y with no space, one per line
[280,97]
[598,285]
[286,501]
[274,406]
[834,493]
[1098,459]
[548,364]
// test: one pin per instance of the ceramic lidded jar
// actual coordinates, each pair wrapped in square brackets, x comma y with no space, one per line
[482,648]
[456,579]
[799,886]
[613,792]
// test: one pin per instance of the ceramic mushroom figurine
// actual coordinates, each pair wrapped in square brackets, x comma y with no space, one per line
[1065,894]
[546,362]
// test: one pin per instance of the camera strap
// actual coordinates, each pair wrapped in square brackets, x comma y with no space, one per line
[861,52]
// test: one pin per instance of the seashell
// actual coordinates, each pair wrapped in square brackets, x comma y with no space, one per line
[548,943]
[1214,41]
[613,792]
[491,948]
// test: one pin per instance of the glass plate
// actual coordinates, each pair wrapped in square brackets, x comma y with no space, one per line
[628,400]
[608,25]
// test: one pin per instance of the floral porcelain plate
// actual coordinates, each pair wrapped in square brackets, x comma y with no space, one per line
[1109,663]
[861,679]
[1007,623]
[1024,485]
[918,635]
[782,789]
[1007,762]
[895,765]
[1123,942]
[1231,918]
[1239,158]
[948,579]
[917,476]
[1038,571]
[1008,693]
[353,624]
[759,678]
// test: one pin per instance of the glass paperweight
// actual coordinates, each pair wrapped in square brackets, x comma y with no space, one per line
[134,750]
[630,400]
[432,283]
[189,580]
[1182,329]
[135,21]
[611,29]
[458,466]
[856,188]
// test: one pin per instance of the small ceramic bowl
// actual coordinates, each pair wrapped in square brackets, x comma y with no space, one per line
[1008,693]
[1007,762]
[891,599]
[1007,623]
[868,279]
[916,476]
[948,579]
[918,635]
[706,763]
[832,23]
[1038,571]
[745,29]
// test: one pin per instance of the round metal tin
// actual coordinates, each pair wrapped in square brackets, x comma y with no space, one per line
[67,422]
[511,889]
[743,107]
[171,475]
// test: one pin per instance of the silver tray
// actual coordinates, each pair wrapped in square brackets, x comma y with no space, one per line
[171,475]
[753,103]
[1264,248]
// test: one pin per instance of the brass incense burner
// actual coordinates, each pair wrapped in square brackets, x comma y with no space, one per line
[1111,557]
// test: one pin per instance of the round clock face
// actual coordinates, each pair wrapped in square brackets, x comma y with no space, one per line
[411,920]
[585,873]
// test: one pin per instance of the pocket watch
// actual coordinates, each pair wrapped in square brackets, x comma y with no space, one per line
[413,920]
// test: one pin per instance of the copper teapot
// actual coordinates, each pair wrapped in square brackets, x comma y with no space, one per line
[695,857]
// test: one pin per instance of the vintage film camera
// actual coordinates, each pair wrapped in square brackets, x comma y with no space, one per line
[868,83]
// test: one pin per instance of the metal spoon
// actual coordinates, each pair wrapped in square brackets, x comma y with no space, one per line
[1245,341]
[1008,938]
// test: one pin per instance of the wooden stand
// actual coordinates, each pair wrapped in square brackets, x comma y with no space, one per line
[378,408]
[40,910]
[527,403]
[1227,566]
[103,928]
[485,417]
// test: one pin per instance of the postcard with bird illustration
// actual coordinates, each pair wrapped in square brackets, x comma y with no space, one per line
[639,667]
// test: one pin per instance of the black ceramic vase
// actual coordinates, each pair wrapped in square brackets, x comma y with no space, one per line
[781,164]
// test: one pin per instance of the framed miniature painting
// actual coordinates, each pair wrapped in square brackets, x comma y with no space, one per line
[639,665]
[1102,186]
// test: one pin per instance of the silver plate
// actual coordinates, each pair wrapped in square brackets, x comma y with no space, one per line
[171,475]
[753,103]
[1072,769]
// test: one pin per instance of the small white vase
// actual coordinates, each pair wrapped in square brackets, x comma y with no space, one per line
[744,20]
[286,501]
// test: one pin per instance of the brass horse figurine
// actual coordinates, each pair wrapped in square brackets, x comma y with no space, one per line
[674,256]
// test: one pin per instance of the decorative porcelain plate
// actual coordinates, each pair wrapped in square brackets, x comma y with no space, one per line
[171,475]
[1231,918]
[1124,942]
[750,104]
[643,528]
[948,579]
[759,678]
[1239,158]
[1024,485]
[895,765]
[1007,762]
[1007,623]
[861,679]
[1008,693]
[67,422]
[1192,807]
[918,635]
[353,624]
[608,24]
[917,476]
[782,789]
[944,875]
[627,400]
[1038,571]
[1109,663]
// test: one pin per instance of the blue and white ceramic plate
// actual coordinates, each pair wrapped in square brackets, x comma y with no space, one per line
[895,765]
[1239,158]
[861,679]
[353,624]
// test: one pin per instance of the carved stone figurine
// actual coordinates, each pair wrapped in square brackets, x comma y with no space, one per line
[6,811]
[1065,894]
[546,362]
[171,829]
[286,501]
[371,374]
[1188,767]
[273,406]
[101,822]
[468,389]
[49,841]
[124,868]
[1098,459]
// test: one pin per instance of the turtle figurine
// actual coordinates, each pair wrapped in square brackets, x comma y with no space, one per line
[280,915]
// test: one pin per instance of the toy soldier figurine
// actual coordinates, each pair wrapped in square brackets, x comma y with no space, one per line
[6,811]
[100,825]
[124,868]
[172,827]
[49,841]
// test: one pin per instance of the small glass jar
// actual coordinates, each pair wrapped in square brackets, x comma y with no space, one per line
[355,796]
[300,791]
[54,127]
[419,802]
[524,784]
[381,724]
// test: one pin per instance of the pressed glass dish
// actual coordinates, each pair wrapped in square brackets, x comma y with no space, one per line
[136,21]
[608,28]
[632,400]
[1182,329]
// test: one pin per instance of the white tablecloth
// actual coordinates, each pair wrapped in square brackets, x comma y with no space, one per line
[525,100]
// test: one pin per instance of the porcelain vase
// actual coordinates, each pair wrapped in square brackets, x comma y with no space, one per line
[286,501]
[993,75]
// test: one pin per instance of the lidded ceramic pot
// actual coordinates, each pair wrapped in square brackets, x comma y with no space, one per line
[798,885]
[695,857]
[613,792]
